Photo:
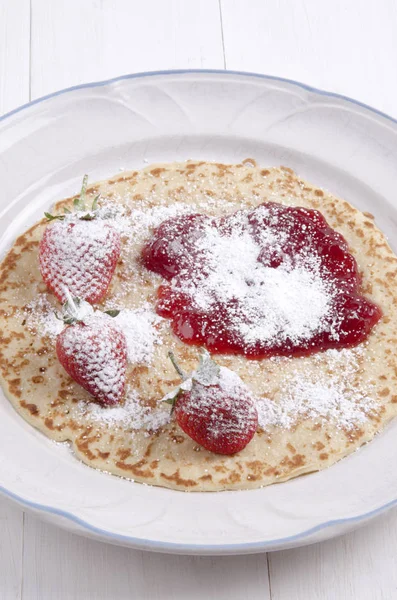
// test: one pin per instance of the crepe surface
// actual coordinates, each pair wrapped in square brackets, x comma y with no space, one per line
[313,411]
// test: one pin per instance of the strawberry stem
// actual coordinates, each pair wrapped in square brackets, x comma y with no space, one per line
[79,203]
[177,368]
[94,206]
[51,217]
[112,313]
[77,310]
[70,301]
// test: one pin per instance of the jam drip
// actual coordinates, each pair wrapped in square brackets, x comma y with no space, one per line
[274,280]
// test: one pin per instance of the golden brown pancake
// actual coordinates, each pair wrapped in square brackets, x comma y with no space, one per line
[313,410]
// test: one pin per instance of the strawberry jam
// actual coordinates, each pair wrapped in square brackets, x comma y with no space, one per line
[275,280]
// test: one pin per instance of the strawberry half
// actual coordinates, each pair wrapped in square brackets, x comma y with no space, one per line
[79,251]
[94,353]
[215,408]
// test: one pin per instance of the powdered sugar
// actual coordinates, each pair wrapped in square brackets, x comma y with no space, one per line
[291,302]
[140,329]
[320,395]
[137,223]
[131,414]
[232,384]
[272,298]
[134,225]
[144,219]
[40,315]
[114,215]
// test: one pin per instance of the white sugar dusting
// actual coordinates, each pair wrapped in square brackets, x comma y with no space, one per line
[143,220]
[135,225]
[291,302]
[132,413]
[40,315]
[139,328]
[139,221]
[326,397]
[115,215]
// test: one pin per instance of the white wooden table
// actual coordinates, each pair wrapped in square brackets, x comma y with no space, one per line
[345,46]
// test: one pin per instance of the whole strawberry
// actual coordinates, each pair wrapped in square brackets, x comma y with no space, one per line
[215,408]
[94,353]
[80,251]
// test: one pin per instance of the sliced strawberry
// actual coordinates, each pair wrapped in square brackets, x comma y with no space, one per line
[215,408]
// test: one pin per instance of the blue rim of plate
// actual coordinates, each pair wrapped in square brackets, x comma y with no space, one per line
[143,543]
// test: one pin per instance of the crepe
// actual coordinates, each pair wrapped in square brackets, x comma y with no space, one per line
[313,411]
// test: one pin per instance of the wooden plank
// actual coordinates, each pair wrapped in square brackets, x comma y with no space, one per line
[212,578]
[344,47]
[14,53]
[62,565]
[76,42]
[14,90]
[11,544]
[361,565]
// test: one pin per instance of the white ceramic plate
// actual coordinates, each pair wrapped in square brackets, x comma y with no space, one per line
[336,143]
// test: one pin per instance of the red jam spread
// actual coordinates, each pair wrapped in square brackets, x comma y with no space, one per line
[275,280]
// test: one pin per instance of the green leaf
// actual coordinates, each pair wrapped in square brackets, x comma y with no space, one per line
[70,310]
[83,192]
[79,203]
[95,203]
[67,211]
[177,368]
[112,313]
[50,217]
[207,372]
[170,401]
[69,320]
[87,217]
